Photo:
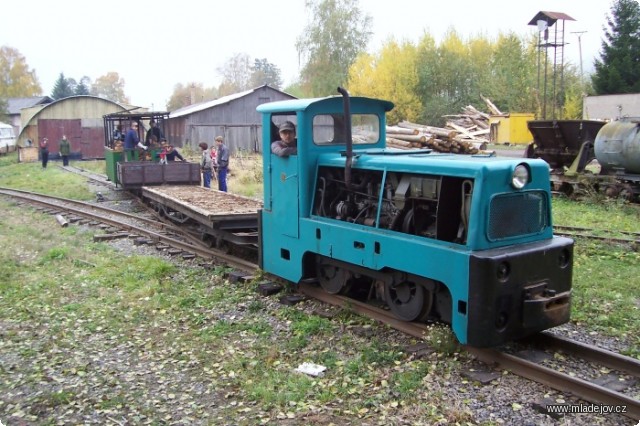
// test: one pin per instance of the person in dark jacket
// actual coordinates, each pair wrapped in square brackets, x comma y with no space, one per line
[172,153]
[65,150]
[132,141]
[222,160]
[154,134]
[44,152]
[205,165]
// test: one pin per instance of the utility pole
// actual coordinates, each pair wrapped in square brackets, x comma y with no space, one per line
[579,33]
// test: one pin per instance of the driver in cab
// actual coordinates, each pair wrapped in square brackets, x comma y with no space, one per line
[288,144]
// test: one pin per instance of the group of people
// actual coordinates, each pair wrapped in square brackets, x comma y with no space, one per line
[64,151]
[215,159]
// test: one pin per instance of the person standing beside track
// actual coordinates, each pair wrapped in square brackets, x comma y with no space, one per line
[222,159]
[65,150]
[205,165]
[44,152]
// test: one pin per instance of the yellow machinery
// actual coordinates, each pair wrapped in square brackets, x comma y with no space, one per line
[510,128]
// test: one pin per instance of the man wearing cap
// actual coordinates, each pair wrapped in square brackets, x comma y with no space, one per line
[288,144]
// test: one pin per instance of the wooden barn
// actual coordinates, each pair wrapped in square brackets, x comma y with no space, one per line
[80,118]
[233,117]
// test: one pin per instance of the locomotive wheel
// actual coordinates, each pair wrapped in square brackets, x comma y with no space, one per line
[333,279]
[408,301]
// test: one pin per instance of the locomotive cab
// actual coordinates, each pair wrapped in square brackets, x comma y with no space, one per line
[463,239]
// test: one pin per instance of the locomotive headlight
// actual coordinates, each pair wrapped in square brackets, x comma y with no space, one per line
[520,176]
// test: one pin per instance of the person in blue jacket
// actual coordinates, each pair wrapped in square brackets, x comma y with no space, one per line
[132,141]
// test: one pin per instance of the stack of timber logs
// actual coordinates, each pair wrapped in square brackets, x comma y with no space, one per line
[465,133]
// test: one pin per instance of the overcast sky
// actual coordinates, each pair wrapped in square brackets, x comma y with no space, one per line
[153,45]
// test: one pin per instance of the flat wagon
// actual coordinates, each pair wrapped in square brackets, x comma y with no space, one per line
[222,216]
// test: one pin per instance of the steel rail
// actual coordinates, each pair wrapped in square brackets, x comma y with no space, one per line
[597,237]
[560,381]
[157,222]
[591,353]
[98,178]
[200,250]
[563,382]
[29,195]
[582,229]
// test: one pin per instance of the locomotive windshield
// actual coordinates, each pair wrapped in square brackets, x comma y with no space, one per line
[329,129]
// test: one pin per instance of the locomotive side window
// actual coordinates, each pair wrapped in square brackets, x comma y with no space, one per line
[329,129]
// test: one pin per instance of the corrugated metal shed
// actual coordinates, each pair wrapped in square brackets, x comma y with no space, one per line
[233,117]
[77,117]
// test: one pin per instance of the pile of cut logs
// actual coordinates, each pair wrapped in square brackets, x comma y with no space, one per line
[465,133]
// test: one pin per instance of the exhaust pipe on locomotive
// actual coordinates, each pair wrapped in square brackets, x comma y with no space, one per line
[346,103]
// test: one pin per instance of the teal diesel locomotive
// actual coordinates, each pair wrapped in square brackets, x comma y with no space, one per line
[465,239]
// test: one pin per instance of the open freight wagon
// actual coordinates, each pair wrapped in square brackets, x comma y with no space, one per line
[136,168]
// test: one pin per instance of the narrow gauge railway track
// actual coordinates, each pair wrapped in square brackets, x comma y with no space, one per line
[574,231]
[555,379]
[521,367]
[95,177]
[116,219]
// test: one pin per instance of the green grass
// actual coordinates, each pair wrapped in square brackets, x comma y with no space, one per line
[597,213]
[85,327]
[32,177]
[606,288]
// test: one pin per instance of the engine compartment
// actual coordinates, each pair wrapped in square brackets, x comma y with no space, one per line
[429,206]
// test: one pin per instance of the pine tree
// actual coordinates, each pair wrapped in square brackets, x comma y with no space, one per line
[619,69]
[82,88]
[62,88]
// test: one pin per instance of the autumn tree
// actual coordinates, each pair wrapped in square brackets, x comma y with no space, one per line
[338,31]
[263,72]
[391,75]
[296,89]
[110,86]
[16,79]
[4,110]
[512,74]
[618,70]
[445,76]
[236,74]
